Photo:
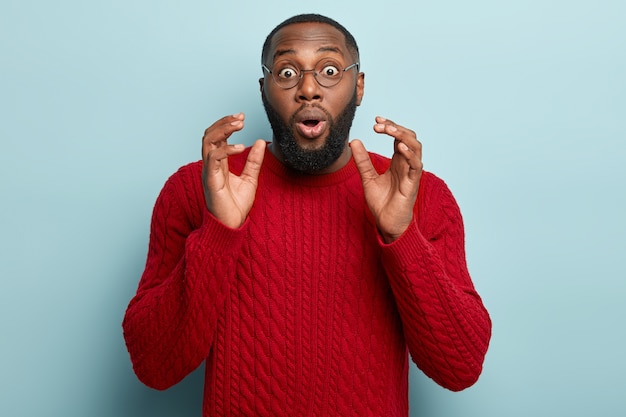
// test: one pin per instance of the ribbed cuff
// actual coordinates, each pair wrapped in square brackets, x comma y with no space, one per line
[216,234]
[403,251]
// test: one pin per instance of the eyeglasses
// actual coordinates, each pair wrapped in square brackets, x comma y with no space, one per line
[326,72]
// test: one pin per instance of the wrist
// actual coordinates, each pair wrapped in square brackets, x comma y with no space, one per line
[388,238]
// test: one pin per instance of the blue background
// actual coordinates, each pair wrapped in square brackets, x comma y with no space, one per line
[520,106]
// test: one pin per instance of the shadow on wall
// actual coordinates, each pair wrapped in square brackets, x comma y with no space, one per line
[123,394]
[421,390]
[133,399]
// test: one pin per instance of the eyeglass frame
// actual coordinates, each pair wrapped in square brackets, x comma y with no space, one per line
[302,71]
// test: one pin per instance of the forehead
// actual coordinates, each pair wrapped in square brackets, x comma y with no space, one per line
[300,39]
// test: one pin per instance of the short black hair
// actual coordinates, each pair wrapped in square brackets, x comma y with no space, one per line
[311,18]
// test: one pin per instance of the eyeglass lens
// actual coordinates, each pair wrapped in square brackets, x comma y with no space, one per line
[326,72]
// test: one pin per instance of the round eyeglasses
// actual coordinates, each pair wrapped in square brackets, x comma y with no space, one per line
[326,72]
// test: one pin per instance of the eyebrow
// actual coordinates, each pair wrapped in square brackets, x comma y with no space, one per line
[283,52]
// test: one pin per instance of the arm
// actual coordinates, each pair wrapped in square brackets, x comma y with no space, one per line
[170,323]
[446,326]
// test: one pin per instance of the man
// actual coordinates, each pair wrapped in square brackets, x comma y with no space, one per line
[306,271]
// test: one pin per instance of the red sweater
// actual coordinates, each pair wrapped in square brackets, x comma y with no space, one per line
[303,310]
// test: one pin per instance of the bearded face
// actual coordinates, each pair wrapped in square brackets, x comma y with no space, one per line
[306,160]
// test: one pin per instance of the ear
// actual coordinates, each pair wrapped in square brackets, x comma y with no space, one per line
[261,82]
[360,87]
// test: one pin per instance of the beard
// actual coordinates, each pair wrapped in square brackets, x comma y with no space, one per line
[311,161]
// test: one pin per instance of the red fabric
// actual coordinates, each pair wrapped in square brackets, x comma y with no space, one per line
[304,310]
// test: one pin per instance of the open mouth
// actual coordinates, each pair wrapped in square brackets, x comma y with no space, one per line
[311,122]
[311,129]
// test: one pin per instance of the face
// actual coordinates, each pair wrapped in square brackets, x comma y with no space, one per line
[311,123]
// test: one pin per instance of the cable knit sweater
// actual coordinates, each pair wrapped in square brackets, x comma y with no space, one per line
[304,310]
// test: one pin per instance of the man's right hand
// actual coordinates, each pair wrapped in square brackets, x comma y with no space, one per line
[229,197]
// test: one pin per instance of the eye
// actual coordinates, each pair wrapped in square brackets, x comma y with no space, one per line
[330,71]
[287,73]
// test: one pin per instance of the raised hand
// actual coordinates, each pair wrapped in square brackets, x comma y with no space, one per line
[391,195]
[229,197]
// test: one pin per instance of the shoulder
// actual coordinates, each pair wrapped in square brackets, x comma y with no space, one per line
[429,183]
[189,176]
[186,178]
[182,193]
[185,185]
[436,205]
[192,168]
[433,185]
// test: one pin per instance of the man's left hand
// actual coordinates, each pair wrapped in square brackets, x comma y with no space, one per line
[391,196]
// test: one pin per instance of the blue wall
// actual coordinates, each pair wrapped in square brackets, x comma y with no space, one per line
[520,105]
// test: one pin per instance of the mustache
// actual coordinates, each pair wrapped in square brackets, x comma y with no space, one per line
[305,107]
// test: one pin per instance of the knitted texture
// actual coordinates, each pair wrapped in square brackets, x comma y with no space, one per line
[304,310]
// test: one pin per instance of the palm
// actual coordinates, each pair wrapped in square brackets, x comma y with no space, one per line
[229,197]
[391,196]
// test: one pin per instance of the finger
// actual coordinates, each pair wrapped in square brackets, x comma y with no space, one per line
[254,161]
[395,130]
[401,135]
[384,125]
[362,160]
[222,153]
[218,133]
[413,155]
[215,167]
[224,127]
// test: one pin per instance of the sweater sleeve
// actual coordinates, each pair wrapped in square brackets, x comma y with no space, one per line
[446,326]
[169,325]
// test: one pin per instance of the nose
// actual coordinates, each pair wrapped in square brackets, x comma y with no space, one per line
[308,88]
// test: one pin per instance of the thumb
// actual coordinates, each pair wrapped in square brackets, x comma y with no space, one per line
[254,161]
[362,160]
